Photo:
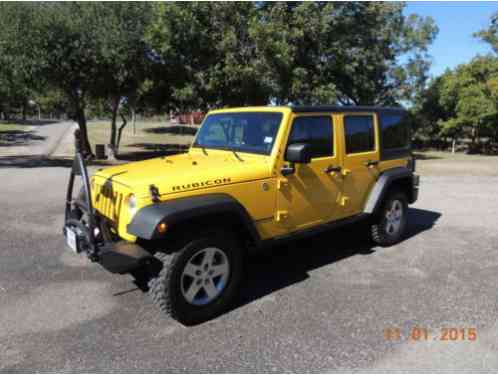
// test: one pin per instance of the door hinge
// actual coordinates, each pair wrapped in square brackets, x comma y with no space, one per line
[281,215]
[345,171]
[344,201]
[282,183]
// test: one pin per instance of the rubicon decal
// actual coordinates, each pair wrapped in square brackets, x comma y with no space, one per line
[195,185]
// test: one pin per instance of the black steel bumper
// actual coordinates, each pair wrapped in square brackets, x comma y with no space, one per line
[123,257]
[87,233]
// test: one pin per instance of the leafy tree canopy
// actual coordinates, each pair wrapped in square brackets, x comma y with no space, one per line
[85,50]
[490,35]
[235,54]
[464,100]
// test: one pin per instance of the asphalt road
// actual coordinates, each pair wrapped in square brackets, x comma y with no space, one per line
[321,304]
[40,139]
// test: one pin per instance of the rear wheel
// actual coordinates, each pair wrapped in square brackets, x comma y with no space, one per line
[199,280]
[390,224]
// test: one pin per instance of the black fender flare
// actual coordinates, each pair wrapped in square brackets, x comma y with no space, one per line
[382,185]
[146,220]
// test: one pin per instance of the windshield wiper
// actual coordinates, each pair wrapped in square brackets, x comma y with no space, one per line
[227,147]
[202,148]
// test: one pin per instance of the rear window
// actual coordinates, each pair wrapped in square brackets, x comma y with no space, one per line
[395,131]
[359,131]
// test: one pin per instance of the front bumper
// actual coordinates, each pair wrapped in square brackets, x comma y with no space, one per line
[115,256]
[88,233]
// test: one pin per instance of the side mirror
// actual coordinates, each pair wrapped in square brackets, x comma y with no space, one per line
[298,153]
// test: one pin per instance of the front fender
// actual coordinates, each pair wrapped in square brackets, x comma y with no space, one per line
[146,220]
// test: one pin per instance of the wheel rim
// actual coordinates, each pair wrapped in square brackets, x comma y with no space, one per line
[394,216]
[205,276]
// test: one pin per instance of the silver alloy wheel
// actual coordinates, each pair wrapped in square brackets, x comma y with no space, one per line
[394,216]
[205,276]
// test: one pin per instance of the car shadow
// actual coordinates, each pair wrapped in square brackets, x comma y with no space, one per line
[284,265]
[11,138]
[174,129]
[289,264]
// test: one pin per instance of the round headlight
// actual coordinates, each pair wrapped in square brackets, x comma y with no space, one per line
[132,203]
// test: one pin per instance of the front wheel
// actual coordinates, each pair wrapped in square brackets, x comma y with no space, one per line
[390,224]
[199,280]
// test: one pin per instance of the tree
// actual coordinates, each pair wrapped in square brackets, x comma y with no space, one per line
[490,35]
[124,60]
[206,54]
[86,50]
[464,101]
[17,82]
[345,52]
[52,102]
[313,52]
[56,42]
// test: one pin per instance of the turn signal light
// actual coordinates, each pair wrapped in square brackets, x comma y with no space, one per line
[162,227]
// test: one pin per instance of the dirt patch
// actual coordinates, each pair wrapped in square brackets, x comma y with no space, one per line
[447,164]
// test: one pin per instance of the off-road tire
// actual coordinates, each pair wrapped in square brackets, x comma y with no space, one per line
[165,289]
[379,231]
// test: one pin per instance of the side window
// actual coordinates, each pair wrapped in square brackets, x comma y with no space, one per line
[316,130]
[360,135]
[395,131]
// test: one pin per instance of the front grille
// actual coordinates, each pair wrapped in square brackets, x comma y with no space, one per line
[108,201]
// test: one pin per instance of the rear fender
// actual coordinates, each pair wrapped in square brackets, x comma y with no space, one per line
[400,175]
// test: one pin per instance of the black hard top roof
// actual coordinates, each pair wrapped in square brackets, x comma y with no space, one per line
[344,108]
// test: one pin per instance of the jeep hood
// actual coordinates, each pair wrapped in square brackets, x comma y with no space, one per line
[186,172]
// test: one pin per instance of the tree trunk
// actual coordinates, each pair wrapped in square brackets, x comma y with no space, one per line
[120,131]
[78,105]
[453,145]
[85,144]
[113,139]
[478,135]
[24,111]
[134,120]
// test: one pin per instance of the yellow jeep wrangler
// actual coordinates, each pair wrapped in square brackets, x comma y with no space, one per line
[251,178]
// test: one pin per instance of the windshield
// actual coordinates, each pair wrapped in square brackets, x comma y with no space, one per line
[252,132]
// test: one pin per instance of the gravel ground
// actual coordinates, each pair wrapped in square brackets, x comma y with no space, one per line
[321,304]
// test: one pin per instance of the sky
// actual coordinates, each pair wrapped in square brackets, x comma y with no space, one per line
[457,21]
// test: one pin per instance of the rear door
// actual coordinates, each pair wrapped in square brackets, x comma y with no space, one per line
[360,145]
[309,196]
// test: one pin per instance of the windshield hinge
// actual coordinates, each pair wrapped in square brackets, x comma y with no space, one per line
[154,193]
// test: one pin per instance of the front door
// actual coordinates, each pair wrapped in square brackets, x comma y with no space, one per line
[309,195]
[360,160]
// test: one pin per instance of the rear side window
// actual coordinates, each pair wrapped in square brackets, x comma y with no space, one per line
[315,130]
[395,131]
[360,136]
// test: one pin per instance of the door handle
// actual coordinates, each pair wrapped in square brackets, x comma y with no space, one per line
[331,169]
[371,163]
